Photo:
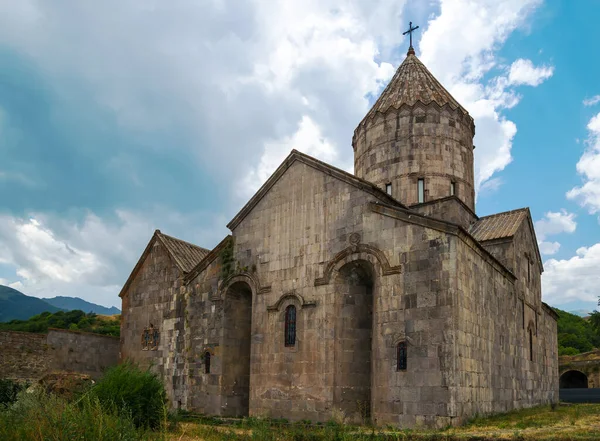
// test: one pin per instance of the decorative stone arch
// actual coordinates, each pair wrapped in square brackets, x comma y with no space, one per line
[573,379]
[296,299]
[365,252]
[399,337]
[237,294]
[250,278]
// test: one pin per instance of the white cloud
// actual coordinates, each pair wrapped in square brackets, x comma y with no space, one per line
[523,72]
[459,46]
[308,139]
[93,258]
[555,222]
[232,79]
[490,186]
[591,101]
[588,195]
[573,279]
[549,248]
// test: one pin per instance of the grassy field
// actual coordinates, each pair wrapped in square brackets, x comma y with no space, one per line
[566,422]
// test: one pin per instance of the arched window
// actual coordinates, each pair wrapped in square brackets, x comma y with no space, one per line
[290,325]
[401,356]
[207,362]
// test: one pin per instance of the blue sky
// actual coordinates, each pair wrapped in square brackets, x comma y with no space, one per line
[117,118]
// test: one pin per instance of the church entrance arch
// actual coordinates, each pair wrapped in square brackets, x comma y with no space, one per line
[237,324]
[573,380]
[354,283]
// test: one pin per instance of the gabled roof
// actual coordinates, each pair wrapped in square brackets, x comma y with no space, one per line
[499,225]
[503,226]
[330,170]
[413,83]
[184,254]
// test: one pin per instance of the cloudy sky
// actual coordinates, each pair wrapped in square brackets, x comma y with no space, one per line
[119,117]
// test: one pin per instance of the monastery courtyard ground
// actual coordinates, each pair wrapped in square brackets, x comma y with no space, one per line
[566,422]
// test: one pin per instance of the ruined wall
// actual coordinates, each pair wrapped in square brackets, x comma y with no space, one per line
[82,352]
[494,369]
[30,356]
[23,355]
[154,298]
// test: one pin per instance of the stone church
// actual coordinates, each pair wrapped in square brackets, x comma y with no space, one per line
[377,296]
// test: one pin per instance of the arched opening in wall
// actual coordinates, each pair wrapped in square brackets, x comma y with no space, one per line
[237,323]
[354,287]
[573,380]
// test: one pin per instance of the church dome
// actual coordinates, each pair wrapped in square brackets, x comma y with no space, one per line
[411,84]
[416,142]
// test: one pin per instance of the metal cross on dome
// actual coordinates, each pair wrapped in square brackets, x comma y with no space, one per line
[410,31]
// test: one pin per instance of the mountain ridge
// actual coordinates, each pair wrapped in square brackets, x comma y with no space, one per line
[14,305]
[72,303]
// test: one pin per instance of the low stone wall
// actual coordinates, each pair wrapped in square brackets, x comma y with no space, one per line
[82,352]
[23,355]
[28,356]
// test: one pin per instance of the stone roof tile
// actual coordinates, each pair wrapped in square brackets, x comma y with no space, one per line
[186,255]
[413,83]
[498,226]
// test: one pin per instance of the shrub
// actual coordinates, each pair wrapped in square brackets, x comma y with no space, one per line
[9,390]
[128,389]
[41,416]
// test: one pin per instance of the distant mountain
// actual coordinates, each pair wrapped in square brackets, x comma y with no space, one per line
[581,312]
[16,305]
[71,303]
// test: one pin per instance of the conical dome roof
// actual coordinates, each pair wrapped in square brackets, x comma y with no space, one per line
[413,83]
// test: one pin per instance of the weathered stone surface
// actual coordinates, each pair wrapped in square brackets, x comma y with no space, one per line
[29,356]
[364,273]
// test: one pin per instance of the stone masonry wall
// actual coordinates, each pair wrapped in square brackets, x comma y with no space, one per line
[494,370]
[416,142]
[30,356]
[290,238]
[448,209]
[23,355]
[154,298]
[82,352]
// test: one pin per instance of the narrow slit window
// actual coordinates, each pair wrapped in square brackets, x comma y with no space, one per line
[523,312]
[528,270]
[290,325]
[401,356]
[530,344]
[452,188]
[207,362]
[388,188]
[421,190]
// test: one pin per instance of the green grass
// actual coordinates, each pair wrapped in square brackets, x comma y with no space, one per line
[46,417]
[564,423]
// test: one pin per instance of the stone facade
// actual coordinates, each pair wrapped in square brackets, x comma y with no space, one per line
[29,356]
[367,274]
